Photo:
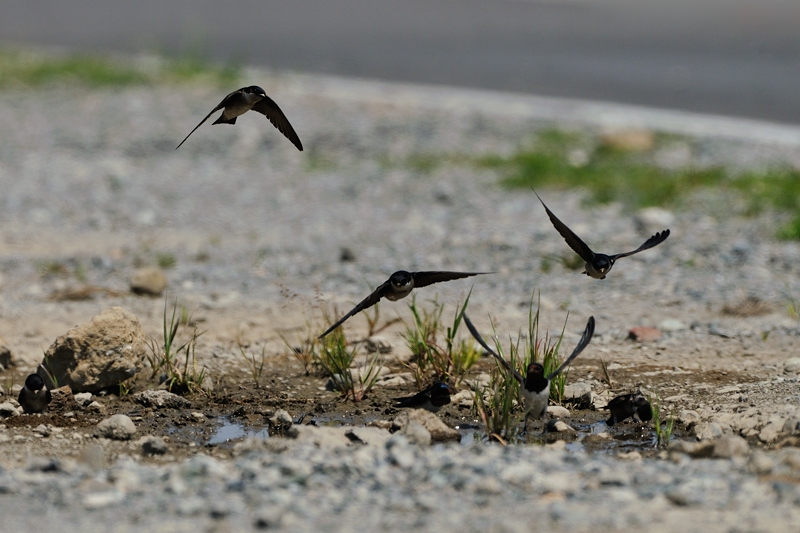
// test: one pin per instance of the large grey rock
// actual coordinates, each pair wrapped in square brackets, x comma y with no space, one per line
[96,355]
[117,427]
[579,394]
[440,432]
[150,281]
[161,399]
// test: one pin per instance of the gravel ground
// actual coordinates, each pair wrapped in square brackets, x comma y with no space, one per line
[90,181]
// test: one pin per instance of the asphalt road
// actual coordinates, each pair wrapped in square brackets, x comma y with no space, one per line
[714,56]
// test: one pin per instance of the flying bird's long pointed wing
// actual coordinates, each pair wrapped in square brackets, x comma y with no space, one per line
[366,303]
[583,343]
[655,240]
[267,107]
[574,242]
[423,279]
[505,364]
[219,106]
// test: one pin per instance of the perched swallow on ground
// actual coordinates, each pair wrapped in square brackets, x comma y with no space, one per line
[433,398]
[597,264]
[247,98]
[34,396]
[535,386]
[398,286]
[629,405]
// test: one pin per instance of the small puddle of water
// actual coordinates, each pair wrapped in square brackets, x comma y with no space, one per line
[229,431]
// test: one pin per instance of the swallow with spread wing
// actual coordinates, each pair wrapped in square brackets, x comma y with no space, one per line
[251,98]
[399,285]
[535,386]
[597,265]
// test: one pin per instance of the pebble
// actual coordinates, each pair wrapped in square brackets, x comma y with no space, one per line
[7,410]
[672,324]
[438,430]
[152,445]
[559,426]
[161,399]
[791,365]
[148,281]
[644,334]
[83,398]
[558,411]
[116,427]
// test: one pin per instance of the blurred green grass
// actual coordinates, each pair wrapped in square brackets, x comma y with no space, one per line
[32,69]
[563,160]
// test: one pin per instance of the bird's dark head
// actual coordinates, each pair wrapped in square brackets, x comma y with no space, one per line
[400,279]
[255,89]
[34,382]
[440,393]
[535,370]
[602,263]
[534,379]
[643,408]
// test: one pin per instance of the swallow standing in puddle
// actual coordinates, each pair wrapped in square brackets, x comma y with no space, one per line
[597,264]
[251,98]
[432,399]
[34,396]
[398,286]
[535,386]
[629,405]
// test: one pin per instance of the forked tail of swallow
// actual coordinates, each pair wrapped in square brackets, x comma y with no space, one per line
[583,343]
[505,364]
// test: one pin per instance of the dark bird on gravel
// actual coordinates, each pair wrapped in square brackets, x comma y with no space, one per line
[34,396]
[433,398]
[247,98]
[398,286]
[629,405]
[535,386]
[597,264]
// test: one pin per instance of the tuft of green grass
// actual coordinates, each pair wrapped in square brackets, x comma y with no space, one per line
[495,404]
[166,260]
[663,429]
[48,369]
[254,366]
[448,361]
[166,357]
[634,179]
[336,360]
[30,69]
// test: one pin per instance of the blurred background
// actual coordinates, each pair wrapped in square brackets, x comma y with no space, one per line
[730,57]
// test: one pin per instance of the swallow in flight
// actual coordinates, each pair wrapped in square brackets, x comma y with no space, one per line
[597,264]
[535,386]
[247,98]
[433,398]
[398,286]
[34,396]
